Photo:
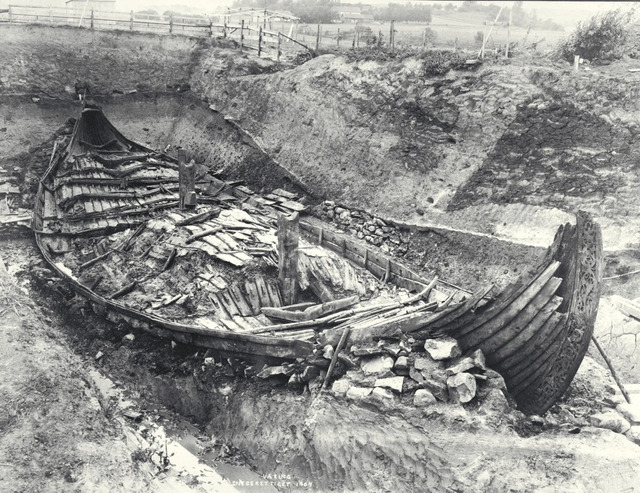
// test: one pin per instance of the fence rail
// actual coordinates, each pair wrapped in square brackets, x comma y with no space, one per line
[271,44]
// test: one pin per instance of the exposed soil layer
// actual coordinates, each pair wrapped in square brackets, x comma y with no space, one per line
[54,435]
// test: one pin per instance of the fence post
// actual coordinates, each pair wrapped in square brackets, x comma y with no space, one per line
[131,21]
[50,15]
[279,45]
[318,38]
[170,23]
[392,35]
[259,41]
[506,50]
[91,18]
[338,39]
[241,34]
[576,62]
[224,27]
[10,16]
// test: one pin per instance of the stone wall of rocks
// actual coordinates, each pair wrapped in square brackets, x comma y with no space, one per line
[364,226]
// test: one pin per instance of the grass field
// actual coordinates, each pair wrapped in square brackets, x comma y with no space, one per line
[454,29]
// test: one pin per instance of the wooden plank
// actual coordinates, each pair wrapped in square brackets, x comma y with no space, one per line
[227,240]
[500,330]
[536,346]
[263,292]
[288,241]
[519,343]
[243,323]
[274,294]
[477,331]
[252,296]
[230,258]
[227,301]
[215,242]
[241,302]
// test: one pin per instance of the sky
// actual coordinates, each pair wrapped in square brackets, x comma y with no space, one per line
[565,13]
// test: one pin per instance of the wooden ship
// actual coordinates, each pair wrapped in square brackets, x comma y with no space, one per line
[172,249]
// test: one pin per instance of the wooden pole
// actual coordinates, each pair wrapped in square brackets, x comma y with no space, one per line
[392,35]
[241,34]
[576,62]
[288,240]
[334,358]
[486,37]
[187,185]
[170,23]
[338,39]
[506,51]
[279,46]
[613,372]
[318,38]
[91,18]
[131,21]
[224,27]
[259,41]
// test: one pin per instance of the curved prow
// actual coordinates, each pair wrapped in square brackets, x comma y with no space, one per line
[537,330]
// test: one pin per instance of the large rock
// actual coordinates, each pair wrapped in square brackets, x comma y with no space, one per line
[358,393]
[401,367]
[426,364]
[610,420]
[436,383]
[462,387]
[383,397]
[494,401]
[391,383]
[340,387]
[631,412]
[423,398]
[494,380]
[380,365]
[479,360]
[445,348]
[460,366]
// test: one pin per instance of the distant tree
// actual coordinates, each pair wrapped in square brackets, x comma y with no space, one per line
[601,38]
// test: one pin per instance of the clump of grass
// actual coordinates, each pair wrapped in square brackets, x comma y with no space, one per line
[601,38]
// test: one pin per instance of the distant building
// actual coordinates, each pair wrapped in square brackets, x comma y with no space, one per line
[83,6]
[352,12]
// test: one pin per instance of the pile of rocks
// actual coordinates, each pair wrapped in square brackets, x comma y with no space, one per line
[364,226]
[421,374]
[622,417]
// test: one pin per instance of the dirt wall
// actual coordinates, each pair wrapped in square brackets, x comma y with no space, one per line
[57,61]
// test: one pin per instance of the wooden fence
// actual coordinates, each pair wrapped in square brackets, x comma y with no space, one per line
[266,43]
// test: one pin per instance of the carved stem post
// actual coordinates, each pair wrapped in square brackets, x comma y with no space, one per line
[187,185]
[288,239]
